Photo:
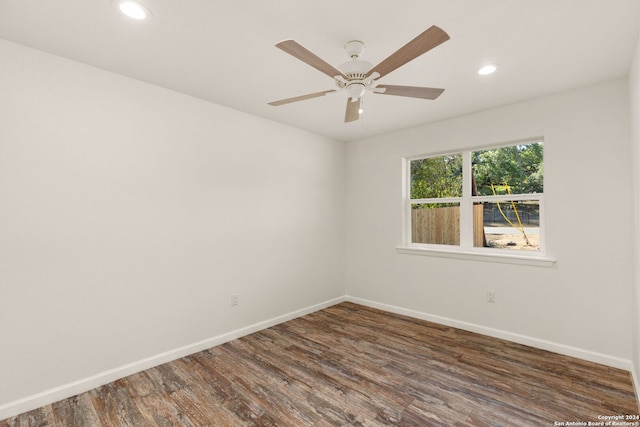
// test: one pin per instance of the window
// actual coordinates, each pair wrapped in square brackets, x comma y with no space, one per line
[487,200]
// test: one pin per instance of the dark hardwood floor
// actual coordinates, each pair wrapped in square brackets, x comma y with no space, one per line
[350,365]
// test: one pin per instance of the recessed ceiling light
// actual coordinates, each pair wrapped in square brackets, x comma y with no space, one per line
[488,69]
[133,9]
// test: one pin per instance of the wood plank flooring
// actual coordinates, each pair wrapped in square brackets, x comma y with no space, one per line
[350,365]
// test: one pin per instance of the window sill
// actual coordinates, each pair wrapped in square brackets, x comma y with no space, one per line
[505,258]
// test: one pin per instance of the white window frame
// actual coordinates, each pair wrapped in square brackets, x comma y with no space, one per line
[466,250]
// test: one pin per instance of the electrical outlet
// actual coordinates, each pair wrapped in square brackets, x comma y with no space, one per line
[235,299]
[491,296]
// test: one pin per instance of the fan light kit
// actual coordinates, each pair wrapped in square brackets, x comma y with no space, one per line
[133,9]
[356,77]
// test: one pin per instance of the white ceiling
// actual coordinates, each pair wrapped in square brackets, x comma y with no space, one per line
[223,51]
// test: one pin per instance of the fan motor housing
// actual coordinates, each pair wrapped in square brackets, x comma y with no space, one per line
[355,69]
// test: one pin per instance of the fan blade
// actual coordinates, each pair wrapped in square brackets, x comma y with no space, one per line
[410,91]
[353,110]
[294,48]
[300,98]
[426,41]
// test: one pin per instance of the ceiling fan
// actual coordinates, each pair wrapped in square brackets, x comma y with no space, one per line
[358,76]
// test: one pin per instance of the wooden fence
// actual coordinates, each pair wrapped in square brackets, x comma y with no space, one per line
[442,225]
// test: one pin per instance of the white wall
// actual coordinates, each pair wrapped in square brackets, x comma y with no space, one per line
[581,306]
[130,214]
[634,90]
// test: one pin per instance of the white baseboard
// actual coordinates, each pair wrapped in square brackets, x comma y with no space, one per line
[566,350]
[65,391]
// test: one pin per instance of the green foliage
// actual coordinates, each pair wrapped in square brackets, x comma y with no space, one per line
[436,177]
[518,169]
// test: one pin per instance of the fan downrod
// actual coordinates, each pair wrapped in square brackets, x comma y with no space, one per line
[354,49]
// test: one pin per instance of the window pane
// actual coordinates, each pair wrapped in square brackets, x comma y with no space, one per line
[436,177]
[508,170]
[436,223]
[507,225]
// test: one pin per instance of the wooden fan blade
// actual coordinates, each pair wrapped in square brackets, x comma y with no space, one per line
[353,111]
[300,98]
[294,48]
[426,41]
[410,91]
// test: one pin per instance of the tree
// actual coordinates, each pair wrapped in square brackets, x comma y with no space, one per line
[518,169]
[436,177]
